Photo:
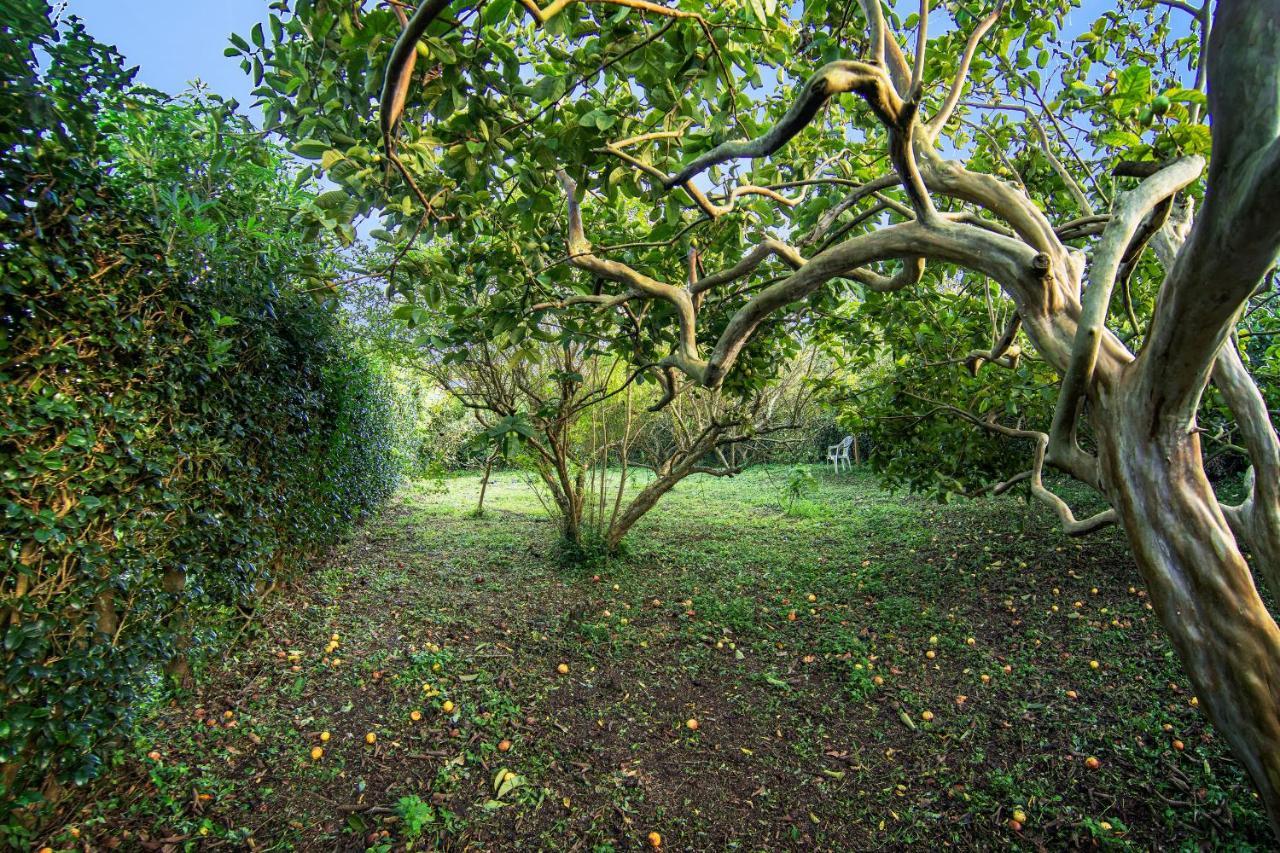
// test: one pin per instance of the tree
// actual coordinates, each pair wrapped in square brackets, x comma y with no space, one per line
[612,102]
[574,411]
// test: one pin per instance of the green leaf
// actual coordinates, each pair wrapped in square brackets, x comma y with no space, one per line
[311,149]
[1119,138]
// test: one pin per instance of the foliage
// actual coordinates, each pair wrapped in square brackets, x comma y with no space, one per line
[900,361]
[182,425]
[800,484]
[415,815]
[476,121]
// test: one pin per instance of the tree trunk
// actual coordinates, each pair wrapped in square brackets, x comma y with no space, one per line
[663,482]
[178,668]
[641,504]
[484,483]
[1199,583]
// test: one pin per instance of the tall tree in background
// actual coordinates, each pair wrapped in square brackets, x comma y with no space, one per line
[877,160]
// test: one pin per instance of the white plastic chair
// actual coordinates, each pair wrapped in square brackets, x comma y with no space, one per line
[838,452]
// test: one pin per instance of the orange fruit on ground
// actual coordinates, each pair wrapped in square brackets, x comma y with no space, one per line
[1092,763]
[504,745]
[415,715]
[986,679]
[1015,825]
[812,597]
[1179,745]
[655,840]
[1071,694]
[1008,670]
[324,737]
[227,715]
[972,641]
[877,681]
[447,707]
[371,738]
[563,669]
[691,724]
[931,654]
[791,616]
[1019,815]
[316,753]
[926,715]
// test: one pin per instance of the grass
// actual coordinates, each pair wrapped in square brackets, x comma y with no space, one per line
[807,644]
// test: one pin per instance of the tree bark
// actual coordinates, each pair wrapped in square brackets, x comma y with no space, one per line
[664,481]
[1199,583]
[484,483]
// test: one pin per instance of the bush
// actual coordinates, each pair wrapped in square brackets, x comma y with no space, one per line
[181,424]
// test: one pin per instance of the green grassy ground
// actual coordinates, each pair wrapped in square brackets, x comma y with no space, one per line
[866,672]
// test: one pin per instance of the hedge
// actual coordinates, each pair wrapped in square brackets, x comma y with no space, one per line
[182,425]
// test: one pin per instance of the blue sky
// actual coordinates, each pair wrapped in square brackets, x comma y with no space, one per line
[175,42]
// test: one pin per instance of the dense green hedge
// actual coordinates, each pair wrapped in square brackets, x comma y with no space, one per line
[181,423]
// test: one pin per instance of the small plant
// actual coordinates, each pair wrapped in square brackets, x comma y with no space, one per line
[800,484]
[414,815]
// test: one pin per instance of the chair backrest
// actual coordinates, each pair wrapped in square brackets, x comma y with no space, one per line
[846,442]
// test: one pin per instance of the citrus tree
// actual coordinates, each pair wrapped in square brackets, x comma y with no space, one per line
[810,154]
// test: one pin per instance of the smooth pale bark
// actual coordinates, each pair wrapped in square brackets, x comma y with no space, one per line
[1199,583]
[1256,520]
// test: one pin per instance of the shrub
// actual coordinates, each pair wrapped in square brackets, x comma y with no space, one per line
[181,423]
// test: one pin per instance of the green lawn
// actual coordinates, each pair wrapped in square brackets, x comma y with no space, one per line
[810,646]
